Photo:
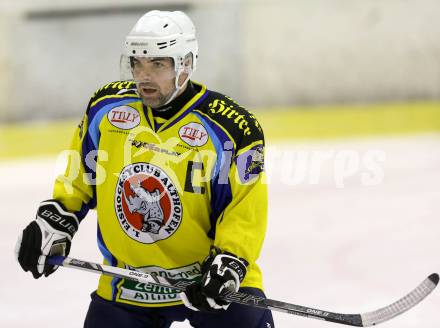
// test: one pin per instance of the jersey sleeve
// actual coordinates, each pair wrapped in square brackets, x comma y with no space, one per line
[73,188]
[241,227]
[76,188]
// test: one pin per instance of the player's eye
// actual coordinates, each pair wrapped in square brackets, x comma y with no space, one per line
[158,64]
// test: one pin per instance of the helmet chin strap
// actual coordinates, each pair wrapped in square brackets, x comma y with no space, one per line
[176,90]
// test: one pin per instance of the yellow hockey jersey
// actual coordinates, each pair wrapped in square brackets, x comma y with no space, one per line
[165,193]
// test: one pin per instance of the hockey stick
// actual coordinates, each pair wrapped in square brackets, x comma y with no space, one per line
[359,320]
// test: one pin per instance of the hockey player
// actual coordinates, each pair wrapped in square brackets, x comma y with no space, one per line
[176,174]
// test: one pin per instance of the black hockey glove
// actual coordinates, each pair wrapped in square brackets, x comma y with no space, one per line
[50,234]
[219,271]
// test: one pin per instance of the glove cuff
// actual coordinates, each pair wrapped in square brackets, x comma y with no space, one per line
[53,213]
[228,262]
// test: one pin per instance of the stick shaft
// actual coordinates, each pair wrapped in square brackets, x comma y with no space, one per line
[359,320]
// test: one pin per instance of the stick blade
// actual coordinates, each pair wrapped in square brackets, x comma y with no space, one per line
[402,305]
[434,278]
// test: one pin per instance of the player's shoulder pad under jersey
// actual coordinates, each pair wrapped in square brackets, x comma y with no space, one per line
[116,89]
[240,124]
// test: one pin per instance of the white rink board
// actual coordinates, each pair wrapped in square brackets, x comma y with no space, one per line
[337,245]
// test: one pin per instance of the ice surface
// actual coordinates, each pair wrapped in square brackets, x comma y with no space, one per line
[333,241]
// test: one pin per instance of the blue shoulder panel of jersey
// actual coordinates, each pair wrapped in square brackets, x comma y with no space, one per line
[109,96]
[221,194]
[99,105]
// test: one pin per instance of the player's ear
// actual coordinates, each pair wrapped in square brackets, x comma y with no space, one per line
[187,68]
[132,60]
[188,62]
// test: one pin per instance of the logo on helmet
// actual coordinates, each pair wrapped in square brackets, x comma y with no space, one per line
[147,203]
[139,43]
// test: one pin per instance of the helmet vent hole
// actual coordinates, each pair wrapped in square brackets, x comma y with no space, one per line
[145,52]
[166,25]
[134,51]
[172,42]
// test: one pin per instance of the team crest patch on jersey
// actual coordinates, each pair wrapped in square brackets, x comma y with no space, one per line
[147,203]
[194,134]
[250,163]
[124,117]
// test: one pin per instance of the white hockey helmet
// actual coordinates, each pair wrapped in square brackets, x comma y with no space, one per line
[162,34]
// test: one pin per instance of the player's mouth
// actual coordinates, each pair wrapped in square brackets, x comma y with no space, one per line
[147,90]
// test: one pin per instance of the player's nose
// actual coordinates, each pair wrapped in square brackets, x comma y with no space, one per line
[145,75]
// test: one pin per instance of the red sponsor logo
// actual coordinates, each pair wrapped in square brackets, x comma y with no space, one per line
[124,117]
[194,134]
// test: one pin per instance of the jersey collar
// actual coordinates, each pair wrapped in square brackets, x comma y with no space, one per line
[185,110]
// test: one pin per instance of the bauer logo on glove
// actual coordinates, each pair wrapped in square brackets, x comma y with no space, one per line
[50,234]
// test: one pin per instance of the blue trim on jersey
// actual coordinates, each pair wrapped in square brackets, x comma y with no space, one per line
[110,259]
[221,193]
[86,147]
[104,250]
[188,110]
[92,201]
[101,103]
[93,129]
[218,138]
[157,126]
[145,109]
[114,283]
[221,197]
[81,214]
[91,139]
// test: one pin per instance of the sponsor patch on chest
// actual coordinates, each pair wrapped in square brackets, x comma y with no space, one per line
[194,134]
[124,117]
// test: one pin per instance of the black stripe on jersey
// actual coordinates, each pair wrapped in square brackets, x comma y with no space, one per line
[117,87]
[114,88]
[241,125]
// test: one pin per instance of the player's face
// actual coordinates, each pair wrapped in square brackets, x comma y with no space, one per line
[155,79]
